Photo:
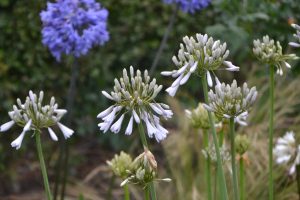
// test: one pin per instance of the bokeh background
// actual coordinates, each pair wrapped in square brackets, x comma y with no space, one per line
[136,30]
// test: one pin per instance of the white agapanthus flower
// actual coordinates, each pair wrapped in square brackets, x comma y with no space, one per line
[135,95]
[33,116]
[197,57]
[296,36]
[286,150]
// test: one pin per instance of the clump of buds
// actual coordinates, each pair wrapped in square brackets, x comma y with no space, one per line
[210,153]
[241,144]
[120,163]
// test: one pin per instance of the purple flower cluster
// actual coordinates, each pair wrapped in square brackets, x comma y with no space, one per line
[73,26]
[189,5]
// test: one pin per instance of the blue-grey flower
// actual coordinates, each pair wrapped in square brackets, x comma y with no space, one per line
[73,26]
[189,5]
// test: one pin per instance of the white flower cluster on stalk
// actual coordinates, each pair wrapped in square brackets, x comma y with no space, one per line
[286,150]
[267,53]
[210,153]
[197,57]
[33,116]
[231,101]
[296,36]
[135,95]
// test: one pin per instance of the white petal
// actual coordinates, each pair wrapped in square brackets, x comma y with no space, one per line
[129,127]
[287,65]
[204,39]
[165,73]
[6,126]
[292,170]
[182,69]
[117,125]
[209,108]
[136,117]
[177,81]
[194,67]
[105,112]
[293,44]
[66,131]
[27,126]
[233,69]
[226,116]
[17,142]
[185,78]
[157,110]
[172,91]
[52,134]
[107,95]
[209,80]
[62,111]
[218,83]
[111,116]
[31,96]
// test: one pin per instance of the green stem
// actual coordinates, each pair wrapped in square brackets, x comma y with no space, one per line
[147,192]
[233,161]
[242,179]
[271,132]
[216,180]
[221,137]
[144,141]
[207,167]
[212,126]
[298,178]
[41,157]
[126,190]
[111,186]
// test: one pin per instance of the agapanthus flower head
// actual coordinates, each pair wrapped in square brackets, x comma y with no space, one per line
[120,163]
[267,53]
[210,153]
[135,95]
[296,36]
[73,26]
[231,101]
[189,5]
[287,150]
[198,118]
[33,116]
[145,169]
[241,144]
[197,57]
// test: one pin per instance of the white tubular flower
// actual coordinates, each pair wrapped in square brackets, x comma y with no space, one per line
[66,131]
[241,120]
[269,54]
[296,36]
[136,94]
[33,116]
[199,56]
[286,150]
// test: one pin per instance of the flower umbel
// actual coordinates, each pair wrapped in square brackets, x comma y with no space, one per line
[267,53]
[135,95]
[120,163]
[33,116]
[296,36]
[286,150]
[189,5]
[197,57]
[210,153]
[73,27]
[241,144]
[231,101]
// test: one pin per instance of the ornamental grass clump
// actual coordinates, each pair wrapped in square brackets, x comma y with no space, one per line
[137,96]
[33,116]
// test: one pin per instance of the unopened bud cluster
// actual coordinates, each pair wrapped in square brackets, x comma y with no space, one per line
[241,144]
[198,117]
[267,53]
[210,153]
[120,163]
[231,101]
[32,109]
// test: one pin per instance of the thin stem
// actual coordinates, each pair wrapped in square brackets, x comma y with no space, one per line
[212,126]
[233,161]
[70,102]
[41,157]
[216,181]
[111,186]
[147,192]
[271,132]
[221,137]
[163,42]
[242,179]
[207,167]
[298,178]
[144,141]
[126,190]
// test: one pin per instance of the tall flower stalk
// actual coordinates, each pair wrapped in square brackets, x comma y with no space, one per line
[271,55]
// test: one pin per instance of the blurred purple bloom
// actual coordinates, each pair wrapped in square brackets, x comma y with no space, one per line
[189,5]
[73,26]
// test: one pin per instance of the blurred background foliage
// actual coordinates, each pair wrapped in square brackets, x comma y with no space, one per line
[136,29]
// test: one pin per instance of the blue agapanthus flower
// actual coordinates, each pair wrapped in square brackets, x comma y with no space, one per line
[189,5]
[73,26]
